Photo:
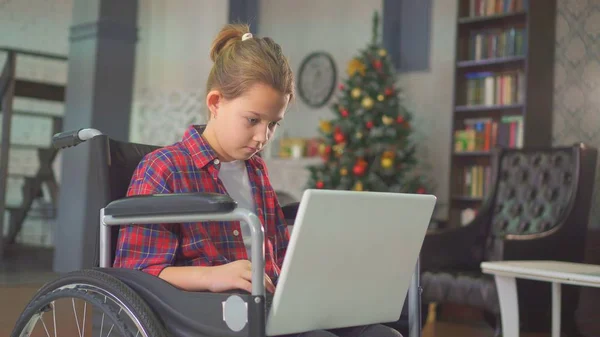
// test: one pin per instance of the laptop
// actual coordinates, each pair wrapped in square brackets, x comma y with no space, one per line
[350,260]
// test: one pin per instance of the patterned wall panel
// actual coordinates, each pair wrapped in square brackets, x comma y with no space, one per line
[577,80]
[160,118]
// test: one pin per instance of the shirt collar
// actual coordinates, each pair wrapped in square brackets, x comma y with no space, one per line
[202,153]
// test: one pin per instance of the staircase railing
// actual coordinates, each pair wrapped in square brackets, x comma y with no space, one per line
[8,91]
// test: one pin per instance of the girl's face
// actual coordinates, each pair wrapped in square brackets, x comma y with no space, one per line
[241,127]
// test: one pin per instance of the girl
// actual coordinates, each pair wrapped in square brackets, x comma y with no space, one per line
[248,91]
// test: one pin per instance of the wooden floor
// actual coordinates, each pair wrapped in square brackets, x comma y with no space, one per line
[15,297]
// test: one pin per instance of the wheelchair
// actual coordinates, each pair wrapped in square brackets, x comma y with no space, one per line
[130,302]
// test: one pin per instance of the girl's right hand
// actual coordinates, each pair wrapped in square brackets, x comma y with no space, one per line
[234,275]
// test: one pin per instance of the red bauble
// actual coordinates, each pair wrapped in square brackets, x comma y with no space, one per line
[400,120]
[389,91]
[377,64]
[339,137]
[342,86]
[344,113]
[359,170]
[320,184]
[369,124]
[420,190]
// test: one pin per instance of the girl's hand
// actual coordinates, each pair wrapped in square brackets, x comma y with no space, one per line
[234,275]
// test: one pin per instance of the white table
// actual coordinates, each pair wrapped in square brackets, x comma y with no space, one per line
[555,272]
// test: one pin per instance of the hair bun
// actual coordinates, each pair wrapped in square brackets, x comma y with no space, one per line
[229,34]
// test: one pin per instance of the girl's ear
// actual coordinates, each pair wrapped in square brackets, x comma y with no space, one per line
[213,99]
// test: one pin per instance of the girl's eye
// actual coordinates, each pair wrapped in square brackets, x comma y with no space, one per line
[253,120]
[273,124]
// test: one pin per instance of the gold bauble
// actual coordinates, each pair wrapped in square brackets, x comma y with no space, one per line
[387,120]
[380,97]
[358,186]
[367,103]
[382,52]
[355,93]
[386,162]
[359,135]
[325,126]
[344,171]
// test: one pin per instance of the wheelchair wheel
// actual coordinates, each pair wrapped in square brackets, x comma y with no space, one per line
[88,303]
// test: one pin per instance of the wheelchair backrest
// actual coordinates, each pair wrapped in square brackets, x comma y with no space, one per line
[116,161]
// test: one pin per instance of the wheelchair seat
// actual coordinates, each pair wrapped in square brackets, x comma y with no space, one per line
[135,300]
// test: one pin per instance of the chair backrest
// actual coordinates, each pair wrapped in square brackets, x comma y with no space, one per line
[535,190]
[541,193]
[115,163]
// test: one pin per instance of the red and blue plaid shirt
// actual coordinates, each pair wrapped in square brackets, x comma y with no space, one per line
[191,165]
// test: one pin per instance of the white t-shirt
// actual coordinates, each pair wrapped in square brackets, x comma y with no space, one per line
[235,178]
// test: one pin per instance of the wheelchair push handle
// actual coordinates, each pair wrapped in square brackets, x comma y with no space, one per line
[71,138]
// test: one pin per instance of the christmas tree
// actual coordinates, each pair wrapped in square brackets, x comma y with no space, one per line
[367,145]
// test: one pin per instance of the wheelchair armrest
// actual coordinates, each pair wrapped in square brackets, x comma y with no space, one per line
[170,204]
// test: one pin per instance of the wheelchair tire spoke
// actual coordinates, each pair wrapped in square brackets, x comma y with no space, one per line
[76,318]
[54,317]
[45,327]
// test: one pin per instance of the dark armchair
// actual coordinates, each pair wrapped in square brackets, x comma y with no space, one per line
[537,209]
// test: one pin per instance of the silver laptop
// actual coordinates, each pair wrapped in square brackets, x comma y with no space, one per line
[350,260]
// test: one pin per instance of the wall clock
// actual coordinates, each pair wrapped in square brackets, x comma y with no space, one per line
[316,79]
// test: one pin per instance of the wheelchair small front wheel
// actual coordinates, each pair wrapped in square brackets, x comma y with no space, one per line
[88,303]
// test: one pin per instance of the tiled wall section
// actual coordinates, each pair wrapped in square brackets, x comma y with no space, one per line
[577,80]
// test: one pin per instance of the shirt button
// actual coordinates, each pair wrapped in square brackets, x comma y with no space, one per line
[236,232]
[217,161]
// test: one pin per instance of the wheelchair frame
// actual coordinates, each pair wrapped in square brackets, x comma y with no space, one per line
[213,207]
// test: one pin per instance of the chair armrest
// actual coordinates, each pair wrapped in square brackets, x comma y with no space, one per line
[459,247]
[170,204]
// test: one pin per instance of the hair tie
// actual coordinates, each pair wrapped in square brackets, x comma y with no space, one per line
[246,36]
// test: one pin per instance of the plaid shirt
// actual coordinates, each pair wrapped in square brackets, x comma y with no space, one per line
[192,166]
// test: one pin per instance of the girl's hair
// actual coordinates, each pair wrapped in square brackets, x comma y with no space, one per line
[240,64]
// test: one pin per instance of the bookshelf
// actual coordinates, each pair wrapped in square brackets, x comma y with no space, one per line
[503,89]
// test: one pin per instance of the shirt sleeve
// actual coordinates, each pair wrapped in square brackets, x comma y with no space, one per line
[282,237]
[153,247]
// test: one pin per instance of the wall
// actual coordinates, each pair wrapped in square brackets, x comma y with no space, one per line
[172,65]
[39,26]
[577,80]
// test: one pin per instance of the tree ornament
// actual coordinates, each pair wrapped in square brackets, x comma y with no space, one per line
[358,186]
[367,102]
[359,168]
[344,113]
[400,120]
[320,184]
[387,120]
[358,135]
[342,86]
[339,137]
[380,97]
[421,190]
[354,66]
[344,171]
[377,64]
[382,52]
[325,126]
[338,149]
[388,91]
[388,154]
[386,163]
[369,125]
[355,93]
